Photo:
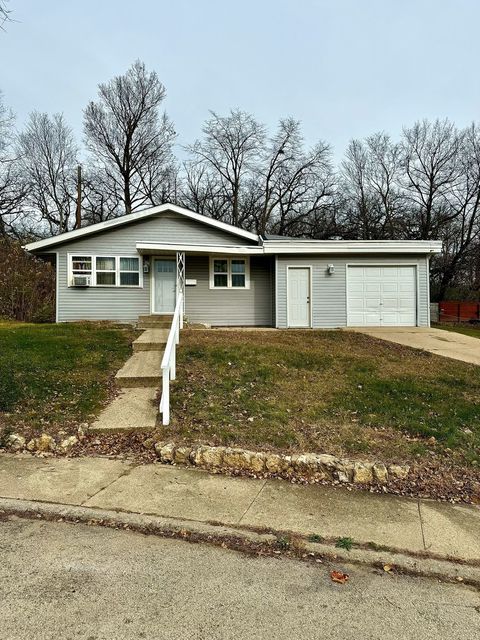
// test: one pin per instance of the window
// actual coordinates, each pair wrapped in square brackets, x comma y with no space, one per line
[106,271]
[229,273]
[129,272]
[82,265]
[220,273]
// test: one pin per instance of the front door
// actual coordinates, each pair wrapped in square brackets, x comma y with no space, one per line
[164,285]
[298,297]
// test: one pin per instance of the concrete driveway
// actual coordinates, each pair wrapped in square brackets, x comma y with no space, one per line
[443,343]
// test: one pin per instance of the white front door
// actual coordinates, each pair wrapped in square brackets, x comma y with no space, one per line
[382,296]
[164,285]
[298,286]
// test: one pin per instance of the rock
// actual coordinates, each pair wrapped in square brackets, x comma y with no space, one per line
[307,463]
[257,463]
[182,455]
[82,431]
[149,443]
[31,445]
[68,443]
[380,472]
[237,458]
[15,442]
[45,443]
[276,463]
[343,471]
[362,473]
[158,447]
[210,457]
[329,463]
[166,453]
[399,471]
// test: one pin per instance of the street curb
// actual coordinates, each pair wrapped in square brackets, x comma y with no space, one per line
[272,543]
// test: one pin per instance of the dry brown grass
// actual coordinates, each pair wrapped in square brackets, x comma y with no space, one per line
[336,391]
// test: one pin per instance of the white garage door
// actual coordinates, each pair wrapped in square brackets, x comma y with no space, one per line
[381,296]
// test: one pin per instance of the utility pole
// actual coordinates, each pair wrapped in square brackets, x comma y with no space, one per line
[78,211]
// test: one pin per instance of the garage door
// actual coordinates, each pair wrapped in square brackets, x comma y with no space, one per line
[381,296]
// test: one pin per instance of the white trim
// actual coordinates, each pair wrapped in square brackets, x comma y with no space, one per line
[93,274]
[229,286]
[351,246]
[428,291]
[57,284]
[133,217]
[152,285]
[197,248]
[310,296]
[385,264]
[276,292]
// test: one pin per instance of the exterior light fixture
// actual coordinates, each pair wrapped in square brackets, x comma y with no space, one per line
[330,269]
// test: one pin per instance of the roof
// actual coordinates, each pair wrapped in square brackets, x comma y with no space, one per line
[134,217]
[300,246]
[268,245]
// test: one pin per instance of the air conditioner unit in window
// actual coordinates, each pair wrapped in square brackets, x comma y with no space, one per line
[81,281]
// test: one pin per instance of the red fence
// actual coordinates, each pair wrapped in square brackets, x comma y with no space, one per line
[459,311]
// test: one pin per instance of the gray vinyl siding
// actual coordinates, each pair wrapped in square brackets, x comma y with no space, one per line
[329,292]
[230,307]
[126,304]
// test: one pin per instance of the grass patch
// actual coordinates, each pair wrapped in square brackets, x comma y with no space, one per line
[467,329]
[336,391]
[344,543]
[57,375]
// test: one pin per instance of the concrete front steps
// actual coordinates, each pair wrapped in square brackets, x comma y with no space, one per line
[155,322]
[142,369]
[133,409]
[151,340]
[139,378]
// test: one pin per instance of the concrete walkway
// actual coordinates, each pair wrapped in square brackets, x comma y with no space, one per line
[136,407]
[176,492]
[443,343]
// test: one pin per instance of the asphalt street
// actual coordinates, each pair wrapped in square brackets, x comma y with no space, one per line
[73,582]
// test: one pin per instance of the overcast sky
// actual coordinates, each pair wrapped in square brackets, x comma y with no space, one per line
[345,68]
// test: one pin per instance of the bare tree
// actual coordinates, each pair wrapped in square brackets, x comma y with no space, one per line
[373,202]
[432,168]
[12,186]
[48,159]
[226,159]
[4,13]
[297,186]
[461,232]
[130,143]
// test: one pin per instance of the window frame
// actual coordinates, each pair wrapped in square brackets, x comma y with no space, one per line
[93,274]
[229,259]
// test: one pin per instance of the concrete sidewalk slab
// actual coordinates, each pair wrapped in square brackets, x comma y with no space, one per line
[180,493]
[65,480]
[142,369]
[193,494]
[134,408]
[151,340]
[451,529]
[331,512]
[448,344]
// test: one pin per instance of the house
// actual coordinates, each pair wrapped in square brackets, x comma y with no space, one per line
[135,266]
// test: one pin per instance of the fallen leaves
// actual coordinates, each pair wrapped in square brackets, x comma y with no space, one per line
[339,577]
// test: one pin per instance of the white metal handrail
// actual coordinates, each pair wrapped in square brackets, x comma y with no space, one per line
[168,365]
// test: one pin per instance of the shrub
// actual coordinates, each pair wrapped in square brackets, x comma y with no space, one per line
[27,285]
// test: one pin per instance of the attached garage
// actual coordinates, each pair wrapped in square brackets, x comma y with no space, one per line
[381,296]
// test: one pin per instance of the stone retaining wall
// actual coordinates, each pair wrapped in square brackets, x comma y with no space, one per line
[312,466]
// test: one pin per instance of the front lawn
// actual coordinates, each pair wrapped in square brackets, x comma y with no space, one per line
[329,391]
[467,329]
[57,376]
